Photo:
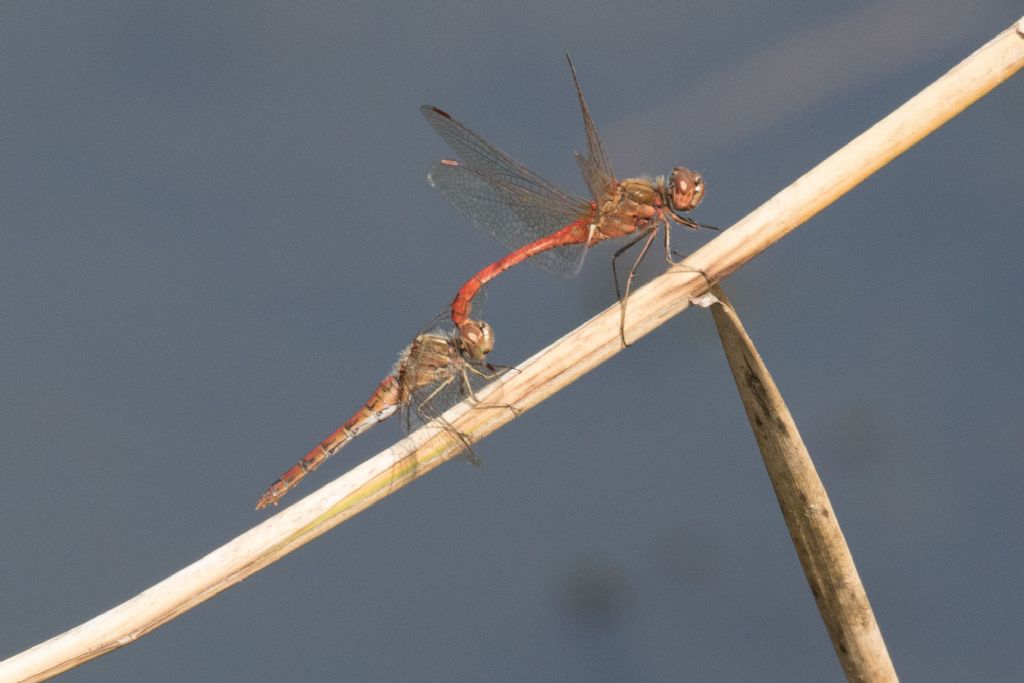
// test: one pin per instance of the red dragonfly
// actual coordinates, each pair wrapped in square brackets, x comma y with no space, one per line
[539,221]
[439,369]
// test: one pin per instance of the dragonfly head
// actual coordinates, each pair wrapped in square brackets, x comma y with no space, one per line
[476,338]
[685,189]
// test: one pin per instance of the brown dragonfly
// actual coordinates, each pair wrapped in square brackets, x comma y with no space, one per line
[440,368]
[548,225]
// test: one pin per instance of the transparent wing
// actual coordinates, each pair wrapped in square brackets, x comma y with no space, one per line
[501,196]
[597,171]
[492,163]
[430,401]
[514,213]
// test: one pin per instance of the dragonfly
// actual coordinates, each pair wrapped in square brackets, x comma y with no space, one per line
[440,368]
[552,227]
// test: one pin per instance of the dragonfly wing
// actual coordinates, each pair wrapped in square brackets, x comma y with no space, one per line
[601,184]
[513,212]
[597,171]
[487,160]
[429,403]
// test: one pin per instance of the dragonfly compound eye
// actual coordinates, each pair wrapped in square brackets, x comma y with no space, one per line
[686,187]
[477,338]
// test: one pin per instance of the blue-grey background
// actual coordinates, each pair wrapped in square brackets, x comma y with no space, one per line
[216,234]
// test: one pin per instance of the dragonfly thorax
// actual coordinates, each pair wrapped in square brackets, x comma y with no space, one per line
[643,191]
[631,208]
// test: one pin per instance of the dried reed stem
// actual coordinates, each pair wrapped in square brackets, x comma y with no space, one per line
[813,526]
[542,375]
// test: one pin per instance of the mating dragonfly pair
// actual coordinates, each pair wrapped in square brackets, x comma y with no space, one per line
[535,220]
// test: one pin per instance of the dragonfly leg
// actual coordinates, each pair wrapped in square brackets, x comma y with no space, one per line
[670,252]
[468,389]
[688,222]
[427,414]
[424,407]
[624,294]
[615,258]
[494,371]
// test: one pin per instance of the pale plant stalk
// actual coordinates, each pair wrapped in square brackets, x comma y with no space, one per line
[813,526]
[534,380]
